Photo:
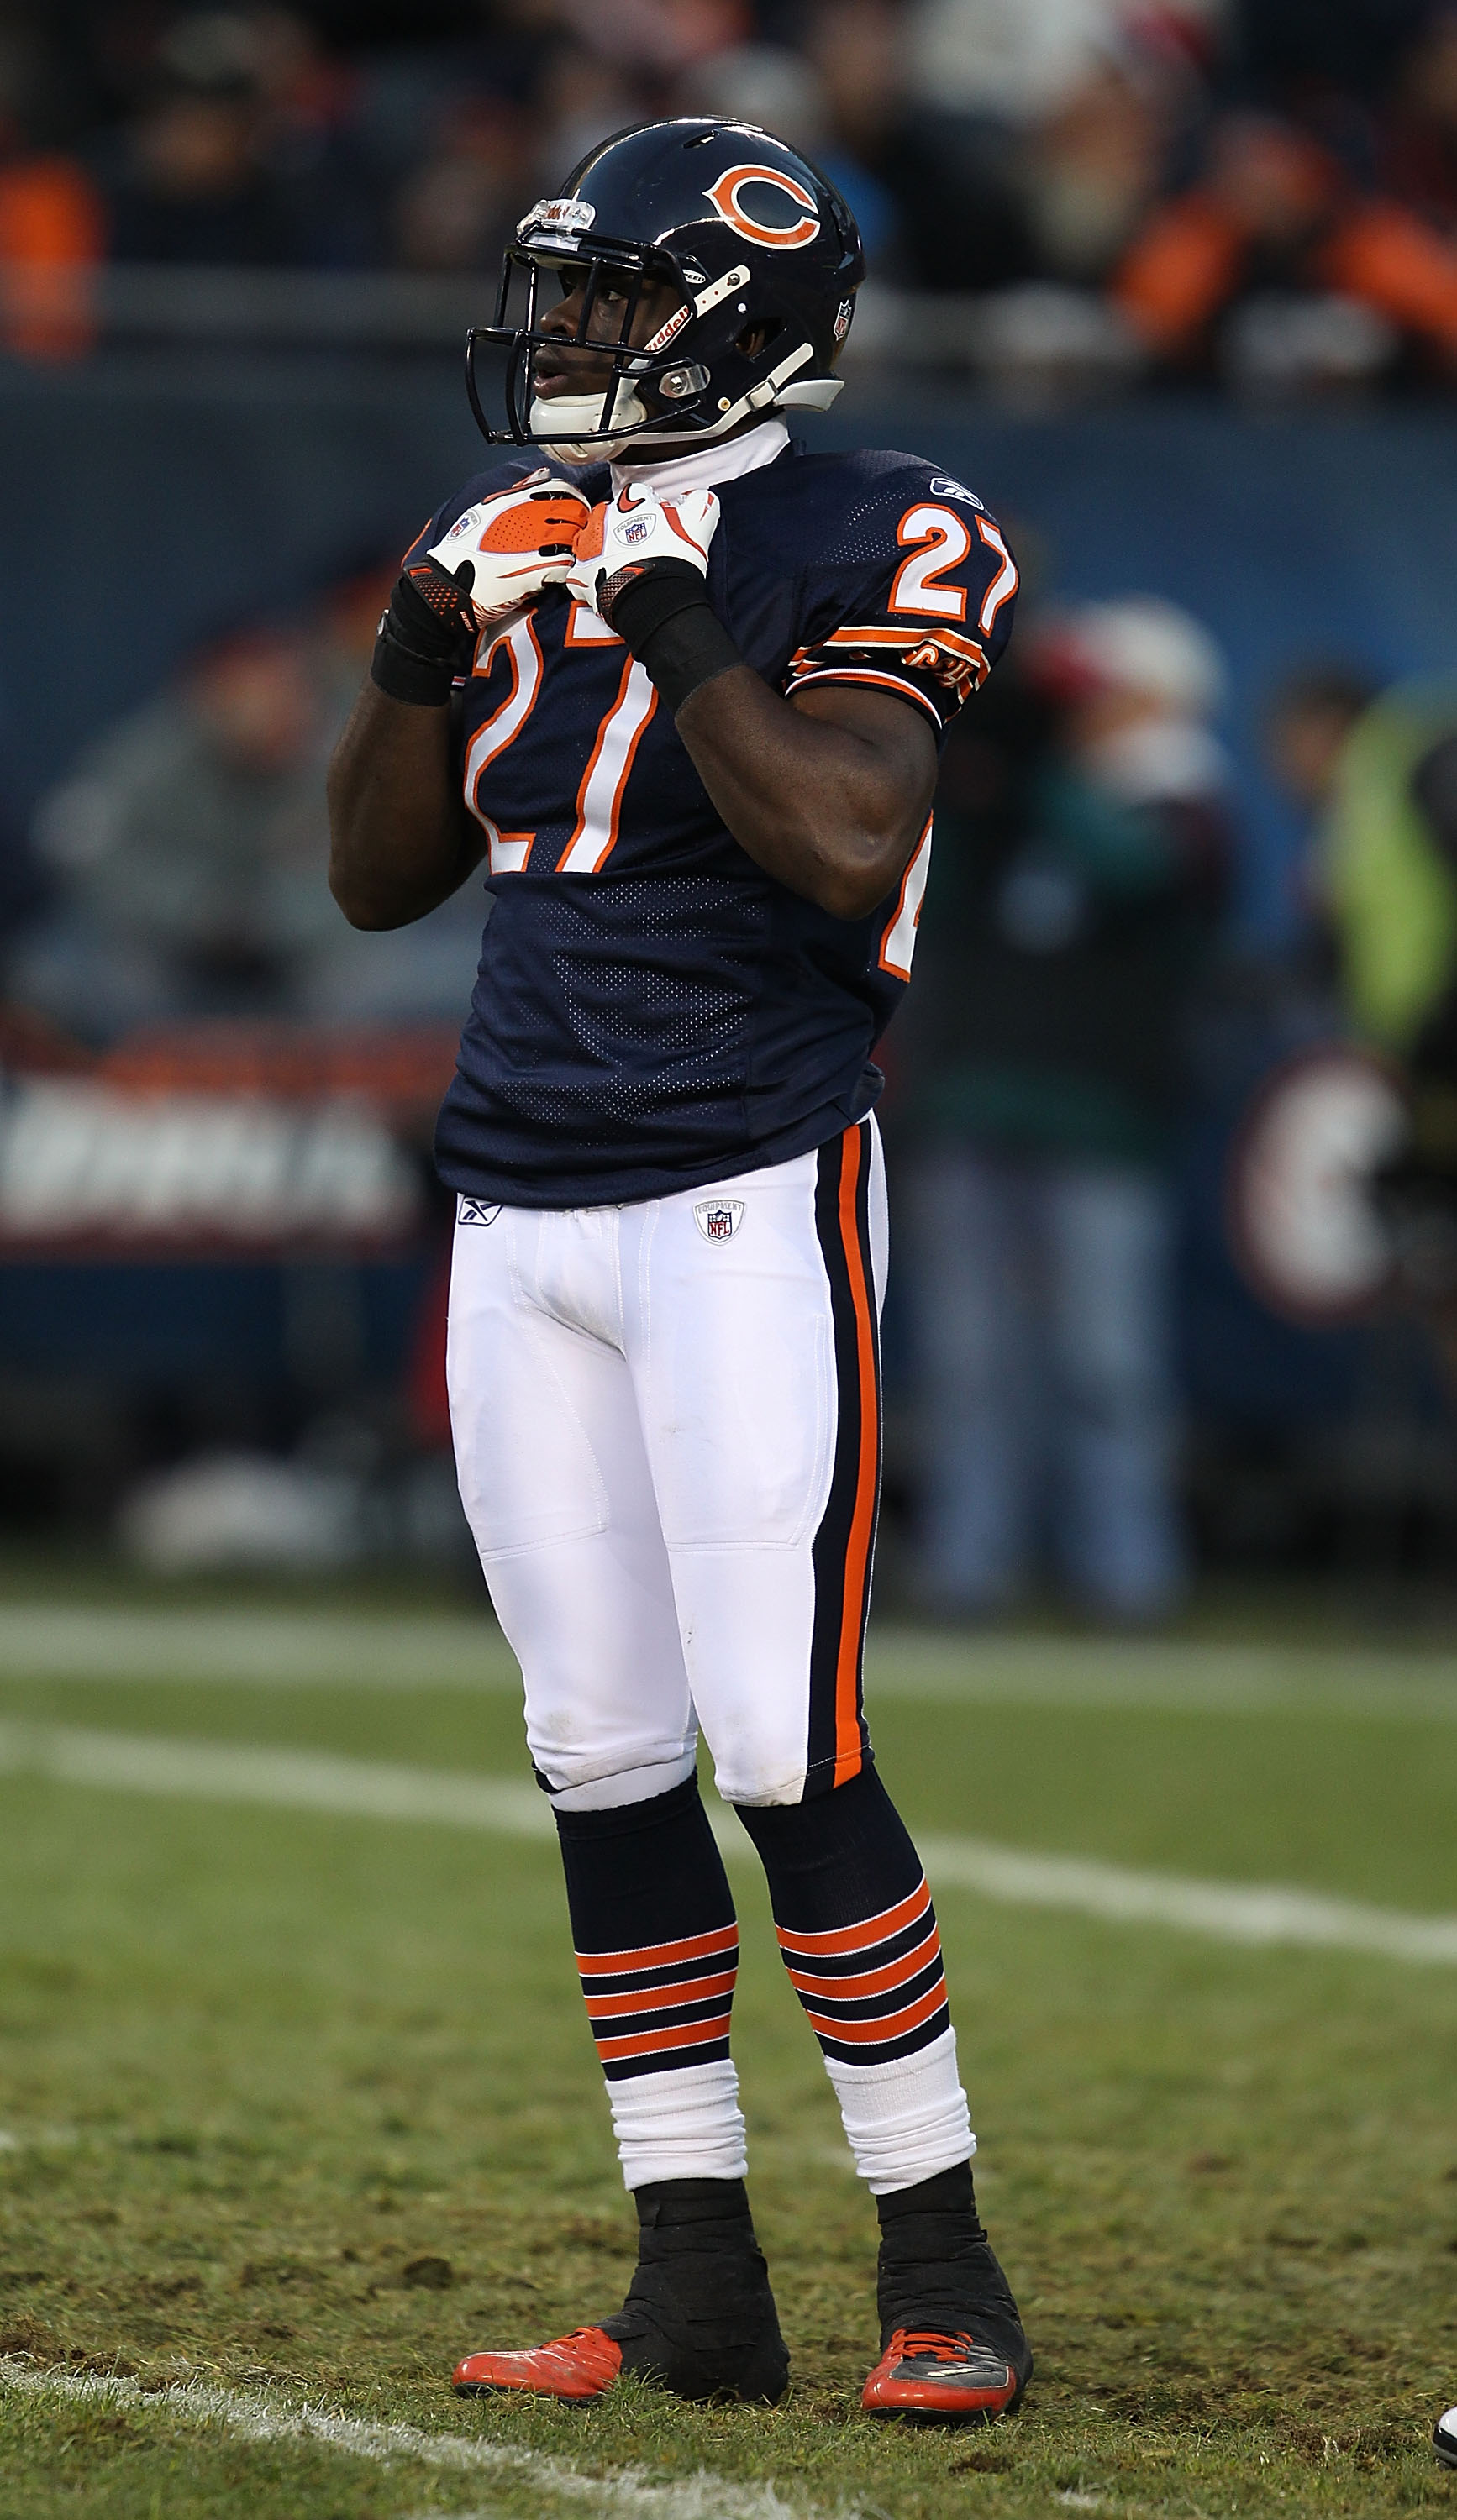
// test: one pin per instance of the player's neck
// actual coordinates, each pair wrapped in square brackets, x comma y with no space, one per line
[702,468]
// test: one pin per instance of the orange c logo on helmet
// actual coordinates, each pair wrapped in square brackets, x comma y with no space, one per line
[724,196]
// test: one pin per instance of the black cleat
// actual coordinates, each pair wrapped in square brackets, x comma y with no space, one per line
[952,2348]
[699,2318]
[1444,2438]
[947,2380]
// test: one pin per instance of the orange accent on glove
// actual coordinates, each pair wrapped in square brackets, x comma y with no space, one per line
[541,521]
[589,541]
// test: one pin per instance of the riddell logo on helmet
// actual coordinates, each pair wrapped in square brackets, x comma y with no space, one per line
[569,215]
[669,331]
[724,196]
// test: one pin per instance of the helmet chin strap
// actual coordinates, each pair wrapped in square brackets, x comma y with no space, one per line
[580,410]
[583,412]
[563,412]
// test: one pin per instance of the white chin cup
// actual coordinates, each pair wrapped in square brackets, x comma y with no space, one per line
[552,415]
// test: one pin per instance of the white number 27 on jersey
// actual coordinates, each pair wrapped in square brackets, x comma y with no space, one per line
[598,802]
[898,944]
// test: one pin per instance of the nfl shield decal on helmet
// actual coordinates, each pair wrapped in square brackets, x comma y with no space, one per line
[717,1219]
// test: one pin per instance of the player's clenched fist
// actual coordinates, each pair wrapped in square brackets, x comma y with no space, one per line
[641,564]
[502,553]
[507,550]
[637,536]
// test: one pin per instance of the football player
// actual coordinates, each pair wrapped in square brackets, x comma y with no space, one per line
[680,685]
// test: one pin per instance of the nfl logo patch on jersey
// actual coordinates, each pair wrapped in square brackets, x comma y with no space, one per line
[718,1218]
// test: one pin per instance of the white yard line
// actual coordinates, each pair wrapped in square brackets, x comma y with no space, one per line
[142,1763]
[1233,1913]
[407,1650]
[369,1789]
[254,2418]
[266,1649]
[1161,1676]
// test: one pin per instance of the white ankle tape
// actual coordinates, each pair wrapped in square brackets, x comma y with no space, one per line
[906,2120]
[684,2123]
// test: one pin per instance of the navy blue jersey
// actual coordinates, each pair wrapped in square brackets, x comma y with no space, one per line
[653,1010]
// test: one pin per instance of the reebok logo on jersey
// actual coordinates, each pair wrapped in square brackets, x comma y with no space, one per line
[718,1219]
[944,487]
[474,1211]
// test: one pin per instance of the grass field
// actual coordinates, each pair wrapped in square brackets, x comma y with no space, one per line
[296,2103]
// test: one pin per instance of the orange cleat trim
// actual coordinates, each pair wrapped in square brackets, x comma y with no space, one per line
[575,2367]
[921,2373]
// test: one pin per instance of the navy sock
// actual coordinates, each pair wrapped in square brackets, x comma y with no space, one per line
[856,1926]
[655,1935]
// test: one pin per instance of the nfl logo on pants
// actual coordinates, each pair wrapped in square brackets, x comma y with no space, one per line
[718,1218]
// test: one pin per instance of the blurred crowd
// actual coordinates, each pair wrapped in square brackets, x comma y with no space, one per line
[1043,1075]
[1083,1009]
[179,870]
[1260,190]
[1257,192]
[1085,843]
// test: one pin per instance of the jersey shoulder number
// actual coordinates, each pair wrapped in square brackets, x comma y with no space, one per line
[918,597]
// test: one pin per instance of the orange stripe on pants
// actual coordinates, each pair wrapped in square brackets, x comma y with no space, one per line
[848,1750]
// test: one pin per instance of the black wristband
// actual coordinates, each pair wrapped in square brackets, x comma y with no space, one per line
[688,650]
[672,628]
[403,675]
[420,651]
[638,600]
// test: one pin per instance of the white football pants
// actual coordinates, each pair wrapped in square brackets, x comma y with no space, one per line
[666,1422]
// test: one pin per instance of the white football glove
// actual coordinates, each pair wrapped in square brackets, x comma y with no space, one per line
[504,551]
[635,533]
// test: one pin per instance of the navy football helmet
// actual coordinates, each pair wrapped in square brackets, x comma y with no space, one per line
[762,247]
